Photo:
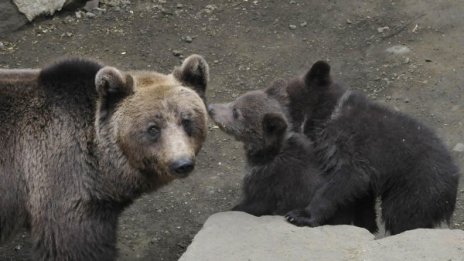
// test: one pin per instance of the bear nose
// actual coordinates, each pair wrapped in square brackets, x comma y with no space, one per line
[182,167]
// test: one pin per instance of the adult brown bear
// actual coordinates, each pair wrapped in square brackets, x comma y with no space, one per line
[81,141]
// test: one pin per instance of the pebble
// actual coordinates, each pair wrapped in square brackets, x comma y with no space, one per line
[292,27]
[381,29]
[177,52]
[167,12]
[180,6]
[459,147]
[398,49]
[406,100]
[303,24]
[2,46]
[90,15]
[188,39]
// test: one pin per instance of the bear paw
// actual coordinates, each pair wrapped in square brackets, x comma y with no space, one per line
[299,217]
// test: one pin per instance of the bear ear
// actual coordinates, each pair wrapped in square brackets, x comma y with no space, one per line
[278,90]
[318,75]
[112,87]
[274,127]
[194,73]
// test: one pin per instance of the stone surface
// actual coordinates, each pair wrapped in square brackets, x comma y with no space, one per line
[10,18]
[419,244]
[33,8]
[230,236]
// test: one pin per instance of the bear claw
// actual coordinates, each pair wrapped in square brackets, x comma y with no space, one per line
[300,218]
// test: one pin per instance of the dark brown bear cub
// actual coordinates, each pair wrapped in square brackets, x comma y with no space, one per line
[80,141]
[281,174]
[364,147]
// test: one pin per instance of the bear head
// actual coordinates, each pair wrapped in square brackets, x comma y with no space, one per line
[151,125]
[256,118]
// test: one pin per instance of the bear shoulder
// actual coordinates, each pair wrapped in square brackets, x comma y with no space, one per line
[68,70]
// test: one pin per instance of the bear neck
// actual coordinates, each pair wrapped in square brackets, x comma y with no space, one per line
[258,155]
[324,106]
[117,181]
[261,157]
[293,147]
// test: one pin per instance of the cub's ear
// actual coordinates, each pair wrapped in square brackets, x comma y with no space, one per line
[318,75]
[194,73]
[112,87]
[278,91]
[274,127]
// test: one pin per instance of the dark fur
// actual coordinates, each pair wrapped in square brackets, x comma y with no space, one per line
[367,148]
[57,177]
[281,173]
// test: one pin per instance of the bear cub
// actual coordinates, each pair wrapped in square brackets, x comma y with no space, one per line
[281,174]
[364,148]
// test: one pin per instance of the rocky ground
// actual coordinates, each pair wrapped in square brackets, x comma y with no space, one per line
[407,54]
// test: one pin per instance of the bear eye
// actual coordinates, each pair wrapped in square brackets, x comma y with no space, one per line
[235,113]
[188,126]
[153,131]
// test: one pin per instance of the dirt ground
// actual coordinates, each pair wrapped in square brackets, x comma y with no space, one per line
[248,44]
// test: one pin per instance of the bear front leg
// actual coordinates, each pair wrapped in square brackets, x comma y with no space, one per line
[74,236]
[340,189]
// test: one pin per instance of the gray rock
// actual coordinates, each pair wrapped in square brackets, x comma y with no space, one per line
[177,52]
[90,15]
[459,147]
[230,236]
[10,18]
[398,49]
[292,27]
[418,244]
[33,8]
[188,39]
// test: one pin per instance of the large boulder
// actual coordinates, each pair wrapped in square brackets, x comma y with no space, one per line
[239,236]
[16,13]
[33,8]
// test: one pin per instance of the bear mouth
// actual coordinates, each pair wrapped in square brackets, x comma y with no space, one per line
[228,131]
[223,127]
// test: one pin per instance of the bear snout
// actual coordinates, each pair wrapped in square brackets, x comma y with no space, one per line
[182,167]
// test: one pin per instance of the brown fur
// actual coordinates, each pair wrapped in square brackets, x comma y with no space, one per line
[282,171]
[81,146]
